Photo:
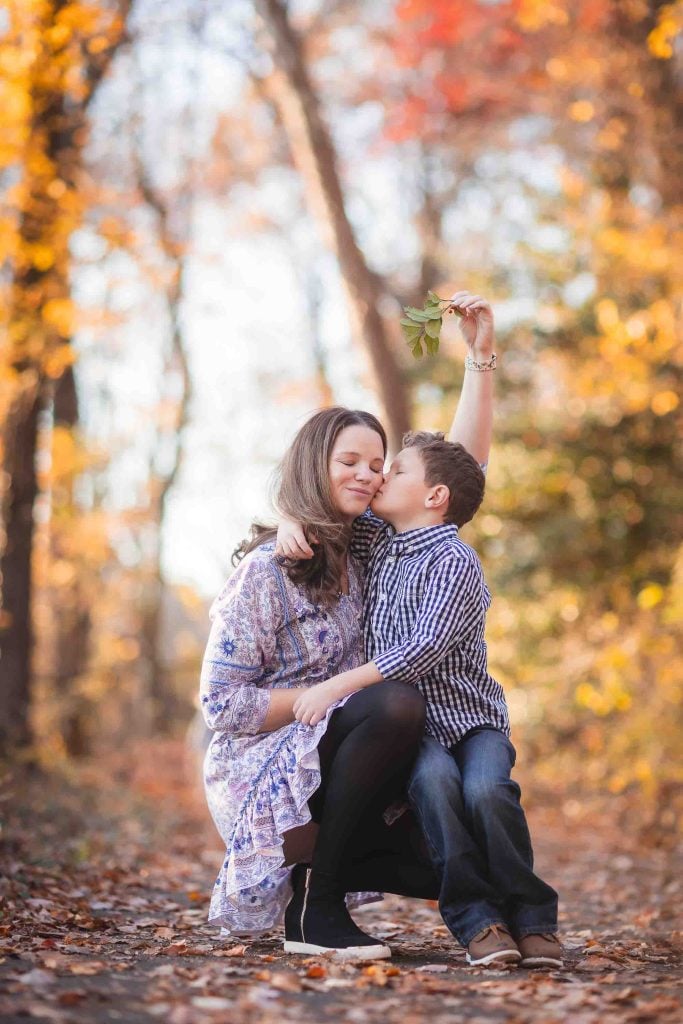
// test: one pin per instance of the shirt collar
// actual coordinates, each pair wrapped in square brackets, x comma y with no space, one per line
[412,541]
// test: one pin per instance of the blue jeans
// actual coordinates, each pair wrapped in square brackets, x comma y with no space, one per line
[471,816]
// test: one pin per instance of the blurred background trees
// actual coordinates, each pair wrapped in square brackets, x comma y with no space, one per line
[211,219]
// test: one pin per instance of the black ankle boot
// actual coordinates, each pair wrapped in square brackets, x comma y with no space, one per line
[317,921]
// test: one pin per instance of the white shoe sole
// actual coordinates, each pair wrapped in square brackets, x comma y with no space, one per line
[503,956]
[378,952]
[541,961]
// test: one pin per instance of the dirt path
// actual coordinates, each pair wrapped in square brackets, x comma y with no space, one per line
[104,891]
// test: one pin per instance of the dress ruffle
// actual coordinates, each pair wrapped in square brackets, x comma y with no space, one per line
[253,886]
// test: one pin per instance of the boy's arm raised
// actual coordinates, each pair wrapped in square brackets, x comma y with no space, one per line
[473,421]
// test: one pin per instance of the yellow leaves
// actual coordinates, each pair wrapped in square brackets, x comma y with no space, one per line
[57,36]
[16,103]
[116,649]
[491,525]
[42,257]
[650,596]
[569,611]
[56,362]
[38,164]
[612,136]
[558,69]
[611,692]
[573,184]
[534,15]
[116,232]
[607,314]
[66,454]
[664,402]
[59,313]
[582,111]
[56,188]
[669,25]
[61,572]
[98,44]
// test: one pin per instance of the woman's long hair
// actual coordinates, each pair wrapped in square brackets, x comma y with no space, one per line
[302,492]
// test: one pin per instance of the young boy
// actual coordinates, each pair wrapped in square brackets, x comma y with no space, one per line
[424,612]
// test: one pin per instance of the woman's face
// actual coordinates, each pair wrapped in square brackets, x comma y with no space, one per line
[356,465]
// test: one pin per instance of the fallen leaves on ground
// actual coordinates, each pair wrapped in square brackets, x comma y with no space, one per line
[105,883]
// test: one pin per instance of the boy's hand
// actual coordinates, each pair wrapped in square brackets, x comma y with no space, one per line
[476,323]
[291,540]
[310,707]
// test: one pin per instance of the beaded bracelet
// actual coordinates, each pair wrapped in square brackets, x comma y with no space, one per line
[488,364]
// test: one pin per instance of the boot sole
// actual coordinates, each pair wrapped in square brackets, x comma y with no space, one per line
[503,956]
[541,961]
[378,952]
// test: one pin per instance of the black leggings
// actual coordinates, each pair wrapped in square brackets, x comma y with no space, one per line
[366,757]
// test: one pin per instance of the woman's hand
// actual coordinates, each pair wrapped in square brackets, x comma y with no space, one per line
[291,540]
[476,323]
[311,705]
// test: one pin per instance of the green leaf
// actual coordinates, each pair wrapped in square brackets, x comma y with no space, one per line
[420,325]
[418,315]
[412,333]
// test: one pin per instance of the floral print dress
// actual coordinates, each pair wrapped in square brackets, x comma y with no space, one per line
[266,633]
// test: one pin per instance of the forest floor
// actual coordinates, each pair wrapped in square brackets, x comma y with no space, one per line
[105,875]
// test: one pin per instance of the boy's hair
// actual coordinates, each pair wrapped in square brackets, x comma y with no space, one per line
[452,465]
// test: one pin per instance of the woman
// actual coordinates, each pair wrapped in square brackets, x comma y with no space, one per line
[280,628]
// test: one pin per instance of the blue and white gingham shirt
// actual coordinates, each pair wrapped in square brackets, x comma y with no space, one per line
[425,606]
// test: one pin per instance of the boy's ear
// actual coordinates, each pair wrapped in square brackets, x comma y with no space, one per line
[438,498]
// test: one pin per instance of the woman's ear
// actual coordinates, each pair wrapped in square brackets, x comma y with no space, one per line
[438,498]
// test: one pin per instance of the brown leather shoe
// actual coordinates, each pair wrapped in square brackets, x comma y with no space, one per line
[540,951]
[493,945]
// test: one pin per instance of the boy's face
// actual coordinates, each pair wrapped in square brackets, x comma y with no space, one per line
[404,493]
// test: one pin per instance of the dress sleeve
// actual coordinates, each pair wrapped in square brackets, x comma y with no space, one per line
[242,646]
[364,529]
[452,605]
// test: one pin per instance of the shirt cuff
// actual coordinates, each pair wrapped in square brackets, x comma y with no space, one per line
[393,665]
[252,704]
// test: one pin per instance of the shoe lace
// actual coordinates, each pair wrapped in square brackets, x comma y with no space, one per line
[499,931]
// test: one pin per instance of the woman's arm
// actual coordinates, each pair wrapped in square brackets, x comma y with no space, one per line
[242,643]
[281,708]
[472,424]
[311,705]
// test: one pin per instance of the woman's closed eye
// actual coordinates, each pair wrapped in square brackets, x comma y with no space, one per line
[373,469]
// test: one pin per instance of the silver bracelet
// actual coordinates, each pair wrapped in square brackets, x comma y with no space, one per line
[488,364]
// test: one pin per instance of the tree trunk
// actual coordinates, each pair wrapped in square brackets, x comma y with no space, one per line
[162,696]
[20,437]
[313,150]
[40,339]
[69,607]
